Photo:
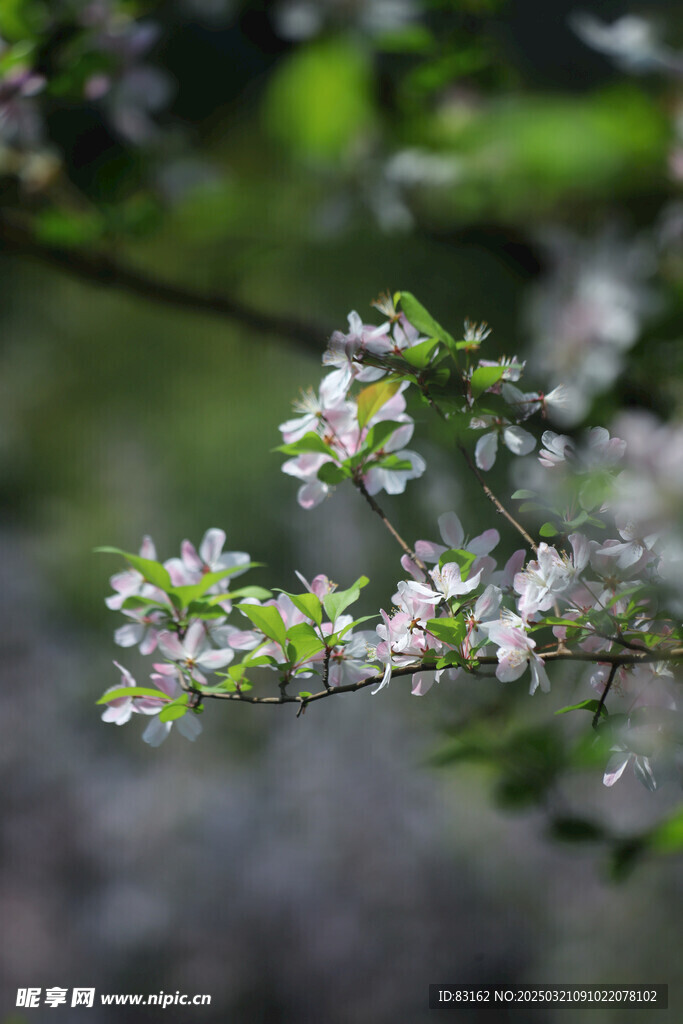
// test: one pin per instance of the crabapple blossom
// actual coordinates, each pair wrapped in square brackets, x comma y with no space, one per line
[476,333]
[130,582]
[515,652]
[121,709]
[328,410]
[193,652]
[516,439]
[165,678]
[342,433]
[486,609]
[349,662]
[448,582]
[191,566]
[144,630]
[453,537]
[549,575]
[528,403]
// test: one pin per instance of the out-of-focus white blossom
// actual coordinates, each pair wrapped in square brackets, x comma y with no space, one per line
[586,312]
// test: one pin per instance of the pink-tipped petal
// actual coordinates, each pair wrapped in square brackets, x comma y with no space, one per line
[191,559]
[422,683]
[171,647]
[485,451]
[156,732]
[211,546]
[452,532]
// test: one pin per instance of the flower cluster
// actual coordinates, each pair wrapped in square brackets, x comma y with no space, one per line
[591,589]
[336,437]
[181,609]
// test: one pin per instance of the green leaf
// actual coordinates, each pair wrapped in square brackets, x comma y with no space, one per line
[548,530]
[260,593]
[379,434]
[464,559]
[153,572]
[419,356]
[132,691]
[573,524]
[204,609]
[584,705]
[309,604]
[310,442]
[137,601]
[524,494]
[393,462]
[422,320]
[302,643]
[372,398]
[551,620]
[340,600]
[232,686]
[267,618]
[193,591]
[332,474]
[450,631]
[452,658]
[175,710]
[483,378]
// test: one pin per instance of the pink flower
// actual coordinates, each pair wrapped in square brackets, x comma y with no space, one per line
[191,566]
[143,630]
[453,537]
[130,582]
[549,575]
[516,439]
[120,710]
[193,653]
[515,652]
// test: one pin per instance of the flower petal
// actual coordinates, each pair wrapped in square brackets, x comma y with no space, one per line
[485,451]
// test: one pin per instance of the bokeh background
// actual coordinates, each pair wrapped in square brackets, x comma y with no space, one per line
[303,157]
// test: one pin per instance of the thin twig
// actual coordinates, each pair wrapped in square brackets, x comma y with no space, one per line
[492,498]
[390,527]
[603,697]
[99,268]
[473,469]
[326,668]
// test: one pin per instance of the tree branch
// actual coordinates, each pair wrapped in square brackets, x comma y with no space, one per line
[99,268]
[615,660]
